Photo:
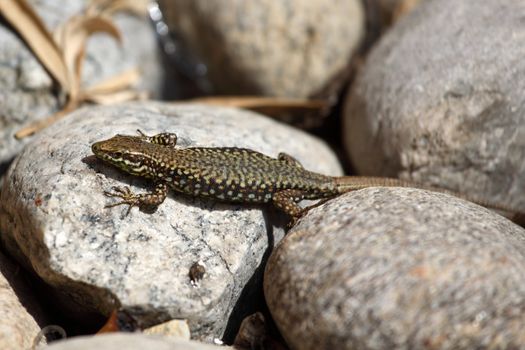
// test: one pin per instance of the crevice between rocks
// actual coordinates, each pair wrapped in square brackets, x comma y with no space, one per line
[251,299]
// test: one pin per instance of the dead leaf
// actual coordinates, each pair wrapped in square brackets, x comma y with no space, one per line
[117,82]
[41,124]
[254,102]
[29,26]
[63,53]
[120,321]
[75,34]
[116,97]
[109,7]
[282,108]
[302,113]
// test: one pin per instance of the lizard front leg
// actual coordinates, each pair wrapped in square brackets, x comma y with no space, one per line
[163,139]
[152,199]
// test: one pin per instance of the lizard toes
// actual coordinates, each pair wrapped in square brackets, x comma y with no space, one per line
[123,190]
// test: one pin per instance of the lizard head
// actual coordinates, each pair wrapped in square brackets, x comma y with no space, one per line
[128,153]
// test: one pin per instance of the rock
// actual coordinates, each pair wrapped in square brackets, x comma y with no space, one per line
[252,332]
[454,113]
[18,326]
[399,268]
[53,218]
[279,48]
[172,328]
[29,94]
[131,341]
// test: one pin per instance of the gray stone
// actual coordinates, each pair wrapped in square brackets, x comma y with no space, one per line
[172,328]
[280,48]
[441,100]
[399,268]
[19,310]
[52,215]
[130,341]
[28,93]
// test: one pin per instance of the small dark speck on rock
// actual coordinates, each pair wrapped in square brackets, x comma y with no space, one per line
[197,271]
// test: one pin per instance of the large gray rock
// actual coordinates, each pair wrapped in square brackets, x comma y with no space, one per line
[131,341]
[441,100]
[280,48]
[19,310]
[52,216]
[28,92]
[398,268]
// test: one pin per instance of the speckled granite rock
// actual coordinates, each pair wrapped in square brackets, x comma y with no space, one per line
[28,93]
[397,268]
[434,103]
[281,48]
[18,326]
[52,216]
[130,341]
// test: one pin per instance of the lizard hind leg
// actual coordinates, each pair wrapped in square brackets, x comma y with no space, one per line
[286,200]
[162,139]
[285,157]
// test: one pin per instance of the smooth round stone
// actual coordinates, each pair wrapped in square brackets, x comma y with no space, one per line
[399,268]
[52,217]
[288,48]
[440,100]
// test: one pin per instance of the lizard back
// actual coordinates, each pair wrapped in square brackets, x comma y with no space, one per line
[238,175]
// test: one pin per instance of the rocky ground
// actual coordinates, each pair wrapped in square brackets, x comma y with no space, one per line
[429,91]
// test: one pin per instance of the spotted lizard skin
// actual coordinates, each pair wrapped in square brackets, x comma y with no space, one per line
[230,174]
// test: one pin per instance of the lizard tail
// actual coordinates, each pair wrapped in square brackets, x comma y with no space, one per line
[351,183]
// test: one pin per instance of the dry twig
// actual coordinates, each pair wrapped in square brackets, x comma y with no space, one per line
[62,53]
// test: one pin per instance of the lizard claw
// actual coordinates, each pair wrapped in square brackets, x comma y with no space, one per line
[128,198]
[121,192]
[130,205]
[295,219]
[141,134]
[291,223]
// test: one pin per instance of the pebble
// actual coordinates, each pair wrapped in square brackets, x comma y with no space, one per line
[399,268]
[440,100]
[285,48]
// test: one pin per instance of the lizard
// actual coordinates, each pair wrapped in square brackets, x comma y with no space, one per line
[235,175]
